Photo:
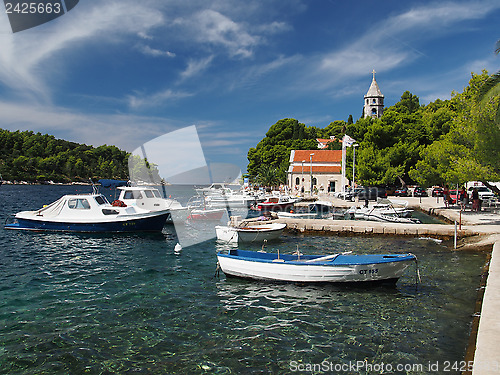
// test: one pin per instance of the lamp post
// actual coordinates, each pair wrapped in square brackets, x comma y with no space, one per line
[302,177]
[353,164]
[311,170]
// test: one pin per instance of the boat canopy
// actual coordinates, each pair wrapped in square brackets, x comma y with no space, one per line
[112,183]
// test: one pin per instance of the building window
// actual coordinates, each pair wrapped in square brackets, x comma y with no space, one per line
[374,100]
[297,181]
[315,182]
[374,111]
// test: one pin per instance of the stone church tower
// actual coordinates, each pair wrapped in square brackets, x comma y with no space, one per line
[374,101]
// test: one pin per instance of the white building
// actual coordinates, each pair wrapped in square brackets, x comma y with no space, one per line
[322,166]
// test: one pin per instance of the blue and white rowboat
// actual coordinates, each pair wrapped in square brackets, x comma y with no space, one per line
[314,268]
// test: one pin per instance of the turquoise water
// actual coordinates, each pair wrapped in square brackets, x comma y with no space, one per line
[75,303]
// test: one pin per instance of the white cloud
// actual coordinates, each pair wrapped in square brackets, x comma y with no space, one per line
[194,67]
[122,130]
[392,42]
[210,26]
[147,50]
[140,101]
[25,57]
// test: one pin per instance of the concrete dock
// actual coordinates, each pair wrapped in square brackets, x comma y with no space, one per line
[487,354]
[474,231]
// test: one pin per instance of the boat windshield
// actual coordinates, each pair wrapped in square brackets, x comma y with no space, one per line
[132,194]
[149,194]
[78,204]
[101,200]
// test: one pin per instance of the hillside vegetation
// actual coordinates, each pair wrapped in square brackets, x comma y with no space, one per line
[33,157]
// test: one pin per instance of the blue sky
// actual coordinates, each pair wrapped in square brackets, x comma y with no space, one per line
[123,72]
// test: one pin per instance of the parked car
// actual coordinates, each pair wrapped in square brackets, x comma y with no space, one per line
[437,192]
[453,198]
[483,191]
[372,193]
[420,192]
[403,192]
[390,189]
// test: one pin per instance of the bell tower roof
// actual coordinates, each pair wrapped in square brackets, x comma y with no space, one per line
[374,90]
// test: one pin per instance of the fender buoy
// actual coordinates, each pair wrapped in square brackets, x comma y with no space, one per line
[118,203]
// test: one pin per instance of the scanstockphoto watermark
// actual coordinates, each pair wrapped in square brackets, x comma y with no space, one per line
[390,368]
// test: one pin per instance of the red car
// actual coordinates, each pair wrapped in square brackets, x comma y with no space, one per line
[453,196]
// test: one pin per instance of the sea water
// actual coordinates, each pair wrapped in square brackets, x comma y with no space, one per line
[128,303]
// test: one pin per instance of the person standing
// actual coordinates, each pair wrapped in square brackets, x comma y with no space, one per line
[475,200]
[446,196]
[463,198]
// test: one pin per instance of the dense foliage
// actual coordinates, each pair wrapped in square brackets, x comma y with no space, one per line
[28,156]
[450,141]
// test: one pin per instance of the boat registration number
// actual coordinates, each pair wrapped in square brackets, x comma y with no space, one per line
[370,271]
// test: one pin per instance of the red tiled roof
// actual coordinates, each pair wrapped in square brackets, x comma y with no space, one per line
[320,156]
[317,169]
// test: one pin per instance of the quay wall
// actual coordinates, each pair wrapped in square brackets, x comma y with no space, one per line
[357,227]
[487,354]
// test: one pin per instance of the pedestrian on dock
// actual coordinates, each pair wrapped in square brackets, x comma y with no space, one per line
[475,200]
[446,196]
[463,198]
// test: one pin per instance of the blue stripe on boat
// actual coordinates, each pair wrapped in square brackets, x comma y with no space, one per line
[348,259]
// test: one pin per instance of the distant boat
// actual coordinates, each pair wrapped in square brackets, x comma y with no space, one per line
[384,211]
[88,213]
[212,214]
[254,233]
[314,268]
[297,215]
[279,203]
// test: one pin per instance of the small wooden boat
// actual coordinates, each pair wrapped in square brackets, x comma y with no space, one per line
[89,213]
[255,233]
[341,267]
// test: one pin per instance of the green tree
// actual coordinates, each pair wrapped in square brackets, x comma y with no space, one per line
[274,149]
[471,149]
[491,90]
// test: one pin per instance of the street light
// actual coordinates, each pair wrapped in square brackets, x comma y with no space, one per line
[353,164]
[311,170]
[302,177]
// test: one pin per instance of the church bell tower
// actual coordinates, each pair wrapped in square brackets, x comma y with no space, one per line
[374,100]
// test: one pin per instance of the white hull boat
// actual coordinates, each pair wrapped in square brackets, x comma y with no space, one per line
[257,233]
[296,215]
[149,198]
[88,213]
[314,268]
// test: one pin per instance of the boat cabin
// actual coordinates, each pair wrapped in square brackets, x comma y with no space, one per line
[144,197]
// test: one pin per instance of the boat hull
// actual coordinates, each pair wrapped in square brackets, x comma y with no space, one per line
[259,233]
[355,268]
[152,223]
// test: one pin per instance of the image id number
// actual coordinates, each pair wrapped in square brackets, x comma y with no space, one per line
[33,8]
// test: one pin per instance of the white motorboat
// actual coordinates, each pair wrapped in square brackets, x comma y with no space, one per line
[254,233]
[89,213]
[149,198]
[277,203]
[296,215]
[340,267]
[384,210]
